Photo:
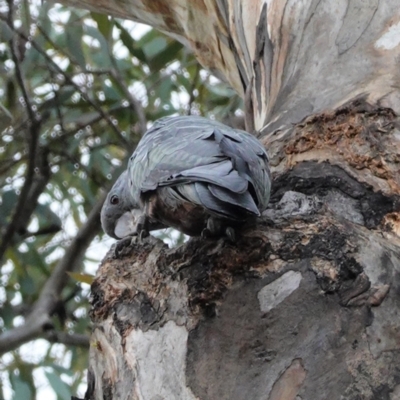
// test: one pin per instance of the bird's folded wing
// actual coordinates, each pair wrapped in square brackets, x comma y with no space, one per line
[182,150]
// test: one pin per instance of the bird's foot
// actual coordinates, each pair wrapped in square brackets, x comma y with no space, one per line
[206,233]
[142,228]
[122,244]
[142,232]
[230,234]
[212,229]
[215,228]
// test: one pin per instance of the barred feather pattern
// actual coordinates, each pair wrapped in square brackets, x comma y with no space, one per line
[210,164]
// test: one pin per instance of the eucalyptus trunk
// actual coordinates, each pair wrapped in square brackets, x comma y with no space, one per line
[306,305]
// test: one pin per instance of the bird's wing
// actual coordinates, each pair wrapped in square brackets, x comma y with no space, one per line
[257,160]
[183,150]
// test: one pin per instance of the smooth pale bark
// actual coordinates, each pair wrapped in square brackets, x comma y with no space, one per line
[292,58]
[306,305]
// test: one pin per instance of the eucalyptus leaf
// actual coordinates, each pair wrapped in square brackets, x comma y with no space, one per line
[46,217]
[104,24]
[5,32]
[130,43]
[59,386]
[102,56]
[166,55]
[73,36]
[21,389]
[82,278]
[8,201]
[155,46]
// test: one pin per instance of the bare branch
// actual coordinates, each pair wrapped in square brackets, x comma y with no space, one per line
[39,318]
[16,60]
[68,79]
[51,229]
[21,213]
[94,120]
[76,339]
[28,198]
[193,87]
[133,101]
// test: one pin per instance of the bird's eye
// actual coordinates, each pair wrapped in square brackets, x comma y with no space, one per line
[114,200]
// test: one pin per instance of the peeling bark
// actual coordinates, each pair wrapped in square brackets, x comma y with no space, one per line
[292,58]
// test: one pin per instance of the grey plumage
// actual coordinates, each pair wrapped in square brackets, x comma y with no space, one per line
[188,169]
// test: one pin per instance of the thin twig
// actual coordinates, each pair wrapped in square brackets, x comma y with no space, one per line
[133,101]
[7,164]
[32,139]
[39,320]
[40,317]
[75,339]
[74,160]
[105,115]
[70,81]
[22,214]
[79,127]
[193,87]
[13,47]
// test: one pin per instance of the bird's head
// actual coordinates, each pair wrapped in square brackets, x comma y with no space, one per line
[119,216]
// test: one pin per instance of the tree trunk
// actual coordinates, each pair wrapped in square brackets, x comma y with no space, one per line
[306,305]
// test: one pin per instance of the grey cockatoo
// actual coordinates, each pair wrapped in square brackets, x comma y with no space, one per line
[195,175]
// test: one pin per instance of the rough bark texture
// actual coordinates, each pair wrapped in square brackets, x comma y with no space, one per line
[306,305]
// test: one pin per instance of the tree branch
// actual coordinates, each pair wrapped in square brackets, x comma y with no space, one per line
[68,79]
[76,339]
[40,318]
[27,201]
[32,138]
[133,101]
[13,48]
[193,87]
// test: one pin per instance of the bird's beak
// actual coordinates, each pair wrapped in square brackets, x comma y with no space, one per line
[126,225]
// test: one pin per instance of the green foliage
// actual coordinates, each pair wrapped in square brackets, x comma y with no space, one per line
[75,90]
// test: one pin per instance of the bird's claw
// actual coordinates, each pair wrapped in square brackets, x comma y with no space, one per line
[143,227]
[212,226]
[122,244]
[206,233]
[129,241]
[143,234]
[215,228]
[230,234]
